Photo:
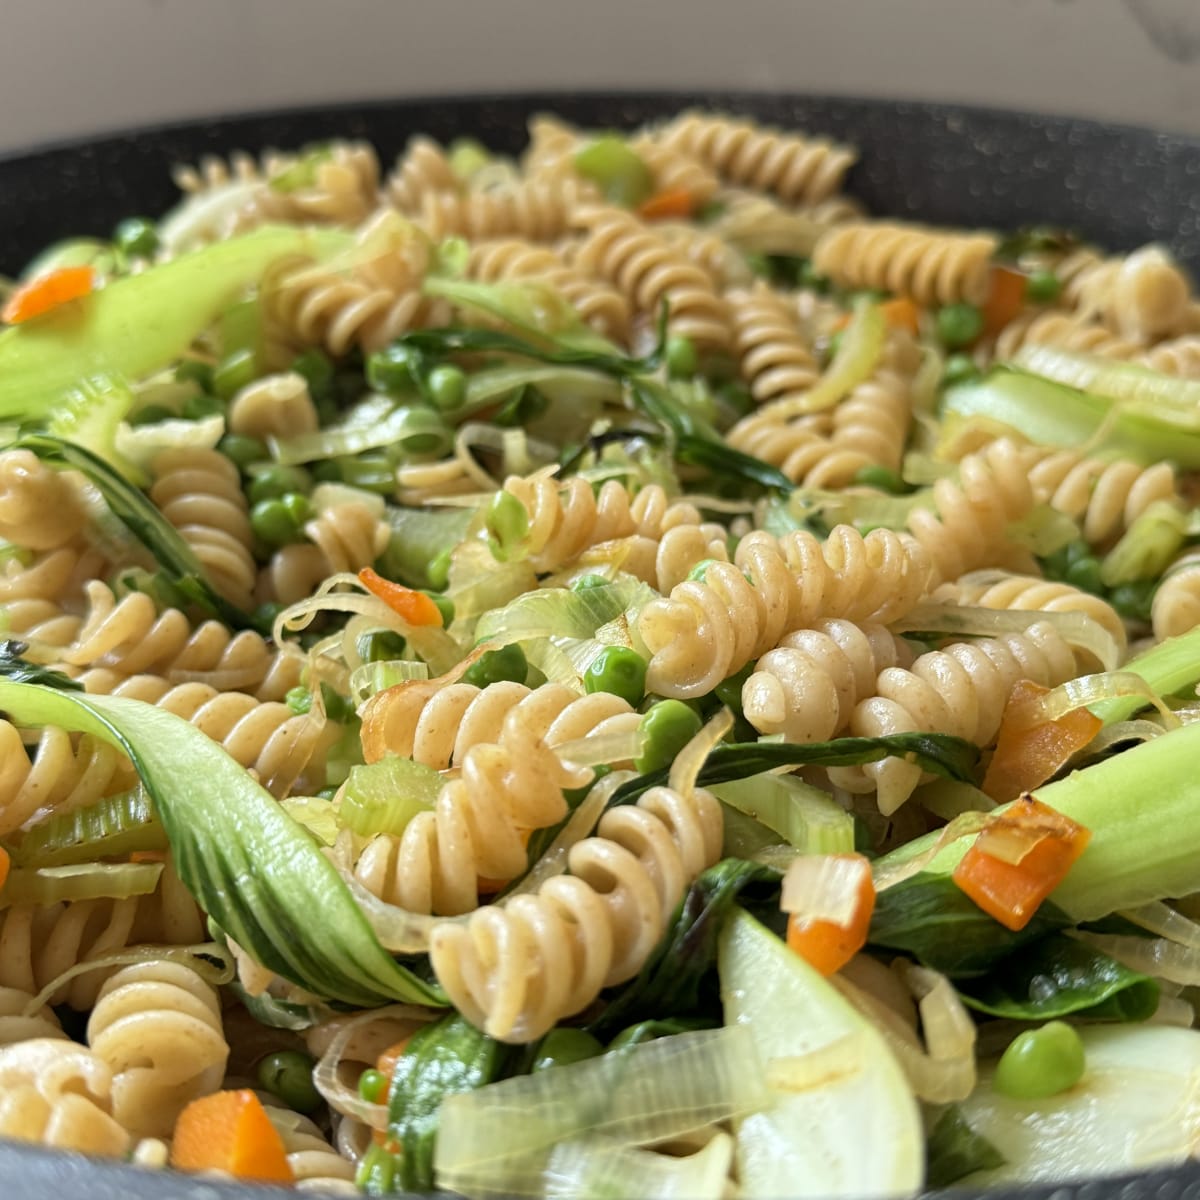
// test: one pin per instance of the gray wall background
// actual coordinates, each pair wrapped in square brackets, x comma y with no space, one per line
[70,67]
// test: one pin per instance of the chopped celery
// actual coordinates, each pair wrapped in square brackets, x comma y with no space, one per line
[302,173]
[113,827]
[803,815]
[1143,810]
[82,881]
[90,414]
[560,612]
[854,1132]
[141,323]
[383,796]
[1147,547]
[1052,414]
[1169,667]
[617,168]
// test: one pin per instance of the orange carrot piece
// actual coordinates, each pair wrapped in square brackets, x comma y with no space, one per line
[1005,299]
[147,856]
[1012,891]
[674,203]
[828,945]
[48,292]
[1028,749]
[415,607]
[231,1132]
[385,1064]
[5,863]
[902,313]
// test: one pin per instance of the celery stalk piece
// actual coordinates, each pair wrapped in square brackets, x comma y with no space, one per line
[1168,667]
[141,323]
[1143,810]
[1052,414]
[856,1132]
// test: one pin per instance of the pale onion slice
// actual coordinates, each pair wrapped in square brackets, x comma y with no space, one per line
[825,887]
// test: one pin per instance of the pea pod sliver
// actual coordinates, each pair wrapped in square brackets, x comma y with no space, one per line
[257,874]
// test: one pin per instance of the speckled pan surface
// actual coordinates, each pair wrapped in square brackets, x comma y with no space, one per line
[1119,186]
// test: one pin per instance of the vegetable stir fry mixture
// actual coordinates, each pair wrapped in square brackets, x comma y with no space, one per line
[607,674]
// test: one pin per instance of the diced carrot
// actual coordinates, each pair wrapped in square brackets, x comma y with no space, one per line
[830,945]
[5,863]
[1012,891]
[674,203]
[1030,749]
[1006,297]
[902,313]
[231,1132]
[415,607]
[48,292]
[148,856]
[385,1064]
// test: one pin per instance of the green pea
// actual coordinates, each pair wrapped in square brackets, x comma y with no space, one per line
[192,370]
[298,700]
[445,606]
[381,645]
[288,1075]
[665,729]
[1133,600]
[467,157]
[959,368]
[735,397]
[316,368]
[958,325]
[152,414]
[681,356]
[274,524]
[137,237]
[201,405]
[507,663]
[265,614]
[328,471]
[299,506]
[807,276]
[759,264]
[618,670]
[586,582]
[394,370]
[275,480]
[561,1047]
[233,373]
[372,1086]
[729,691]
[1041,1062]
[1084,573]
[507,524]
[438,570]
[243,450]
[880,478]
[447,387]
[1043,287]
[371,472]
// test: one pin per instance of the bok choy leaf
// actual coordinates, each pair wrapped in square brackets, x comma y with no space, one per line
[939,753]
[173,555]
[256,873]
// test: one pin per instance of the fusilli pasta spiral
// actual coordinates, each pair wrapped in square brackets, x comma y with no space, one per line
[39,509]
[1175,608]
[931,266]
[157,1027]
[274,406]
[423,169]
[800,169]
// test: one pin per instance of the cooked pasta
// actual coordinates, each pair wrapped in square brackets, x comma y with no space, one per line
[157,1027]
[930,266]
[502,577]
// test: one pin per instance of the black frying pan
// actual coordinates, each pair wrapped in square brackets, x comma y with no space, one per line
[958,166]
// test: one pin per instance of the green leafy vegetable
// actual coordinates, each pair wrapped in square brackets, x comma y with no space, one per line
[15,668]
[257,874]
[112,827]
[447,1057]
[144,521]
[939,753]
[677,979]
[140,323]
[954,1150]
[929,917]
[1059,975]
